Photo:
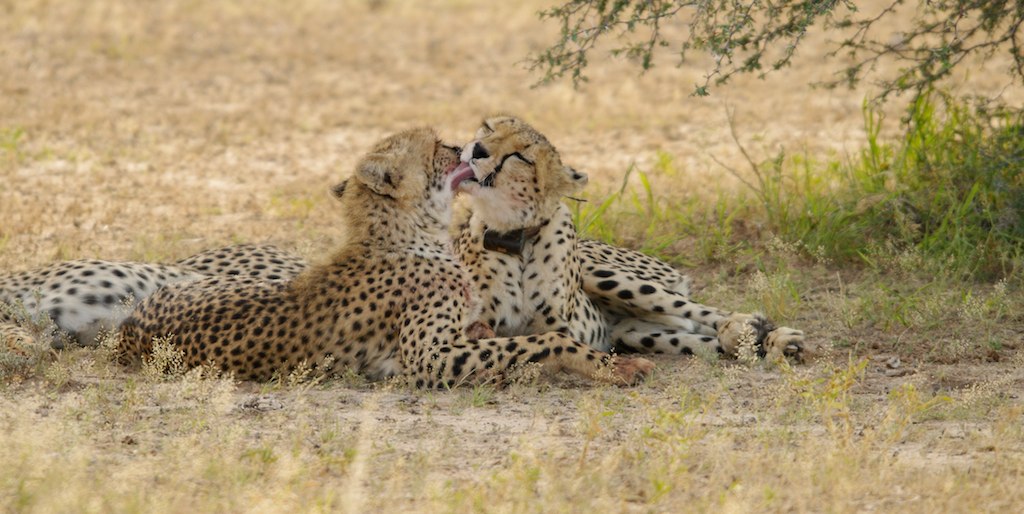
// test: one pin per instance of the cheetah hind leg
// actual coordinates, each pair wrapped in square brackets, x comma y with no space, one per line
[627,284]
[642,336]
[599,258]
[652,300]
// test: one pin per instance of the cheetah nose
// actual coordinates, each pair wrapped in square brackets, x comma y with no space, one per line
[479,152]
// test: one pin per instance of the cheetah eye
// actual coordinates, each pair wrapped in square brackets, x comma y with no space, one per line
[484,131]
[488,181]
[519,156]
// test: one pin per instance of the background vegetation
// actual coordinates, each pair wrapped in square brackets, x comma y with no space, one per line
[759,37]
[950,189]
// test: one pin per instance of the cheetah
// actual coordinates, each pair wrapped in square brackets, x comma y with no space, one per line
[86,297]
[391,301]
[519,243]
[82,297]
[259,261]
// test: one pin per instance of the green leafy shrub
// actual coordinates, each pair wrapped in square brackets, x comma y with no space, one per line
[953,189]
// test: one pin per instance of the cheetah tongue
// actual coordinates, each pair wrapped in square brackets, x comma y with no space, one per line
[462,173]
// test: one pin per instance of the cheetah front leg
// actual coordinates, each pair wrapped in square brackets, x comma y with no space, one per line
[479,360]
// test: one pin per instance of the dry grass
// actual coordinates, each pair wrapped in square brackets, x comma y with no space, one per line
[150,130]
[698,436]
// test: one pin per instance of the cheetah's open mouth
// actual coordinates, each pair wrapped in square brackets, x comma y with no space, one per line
[462,173]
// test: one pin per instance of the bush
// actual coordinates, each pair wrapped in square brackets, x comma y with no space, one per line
[953,189]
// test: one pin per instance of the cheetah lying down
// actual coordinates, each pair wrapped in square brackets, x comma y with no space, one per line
[519,243]
[629,301]
[392,301]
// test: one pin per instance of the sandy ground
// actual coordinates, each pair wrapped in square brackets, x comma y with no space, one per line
[151,130]
[698,436]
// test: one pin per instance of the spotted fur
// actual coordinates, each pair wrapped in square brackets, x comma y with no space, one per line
[259,261]
[392,300]
[86,297]
[599,294]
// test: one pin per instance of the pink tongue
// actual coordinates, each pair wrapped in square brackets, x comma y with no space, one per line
[461,173]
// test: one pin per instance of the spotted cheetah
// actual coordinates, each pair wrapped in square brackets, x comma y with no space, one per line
[259,261]
[519,242]
[85,297]
[392,300]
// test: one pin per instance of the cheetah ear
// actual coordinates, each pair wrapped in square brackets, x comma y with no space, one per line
[339,189]
[574,180]
[379,174]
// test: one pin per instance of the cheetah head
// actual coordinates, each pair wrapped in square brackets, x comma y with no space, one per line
[516,178]
[408,172]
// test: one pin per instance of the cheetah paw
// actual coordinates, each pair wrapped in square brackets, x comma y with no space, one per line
[17,341]
[756,334]
[18,344]
[786,342]
[631,370]
[743,332]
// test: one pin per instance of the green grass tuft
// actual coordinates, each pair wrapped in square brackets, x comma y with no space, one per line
[952,189]
[950,192]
